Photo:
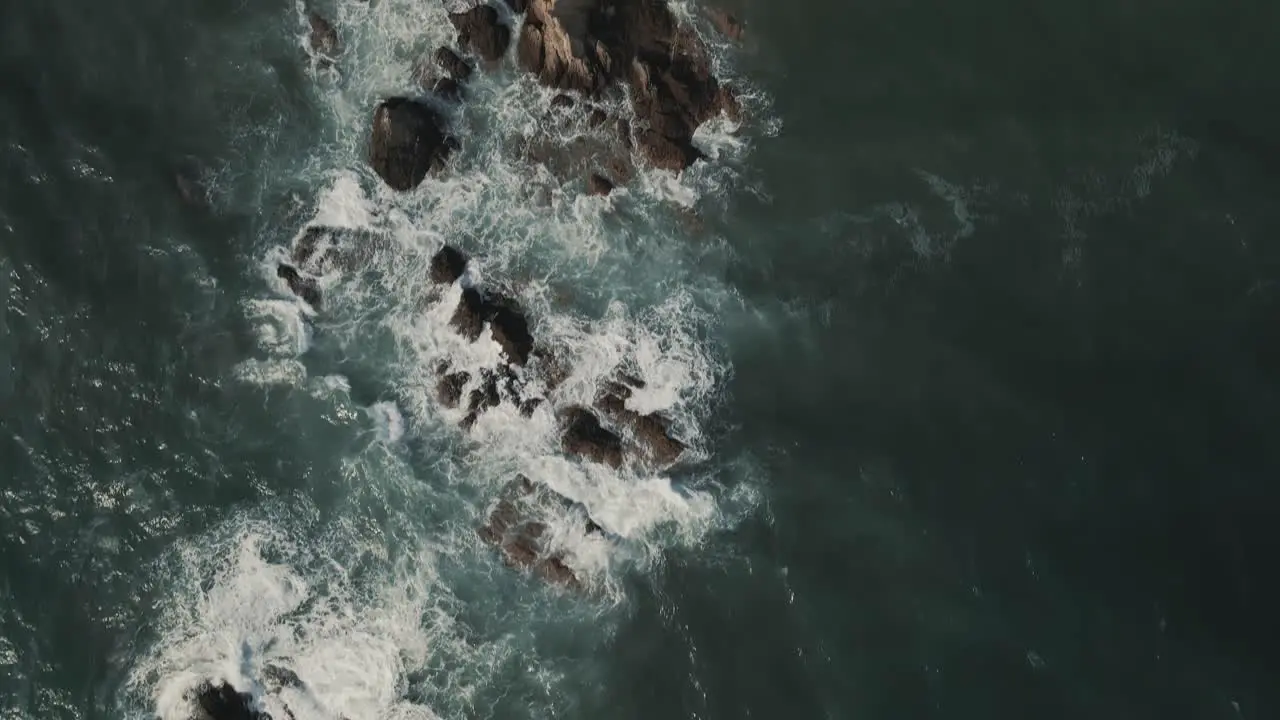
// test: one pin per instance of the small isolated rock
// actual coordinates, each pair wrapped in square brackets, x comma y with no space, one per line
[408,141]
[303,287]
[481,30]
[728,24]
[223,702]
[584,436]
[447,265]
[452,63]
[598,185]
[324,37]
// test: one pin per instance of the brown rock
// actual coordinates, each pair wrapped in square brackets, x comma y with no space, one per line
[510,329]
[481,30]
[324,37]
[452,63]
[582,435]
[727,23]
[469,318]
[408,142]
[447,89]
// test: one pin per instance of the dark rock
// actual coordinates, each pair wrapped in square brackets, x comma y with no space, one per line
[650,431]
[303,287]
[447,265]
[597,118]
[449,388]
[562,101]
[511,528]
[324,37]
[728,25]
[276,677]
[598,185]
[510,329]
[447,89]
[486,396]
[408,141]
[469,318]
[452,63]
[584,436]
[517,6]
[223,702]
[481,30]
[317,249]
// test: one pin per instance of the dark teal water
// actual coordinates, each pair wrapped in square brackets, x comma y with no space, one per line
[981,340]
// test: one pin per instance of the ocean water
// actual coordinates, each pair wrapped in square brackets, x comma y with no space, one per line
[975,343]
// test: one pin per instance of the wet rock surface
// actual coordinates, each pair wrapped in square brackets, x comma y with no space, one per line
[583,436]
[408,141]
[323,37]
[447,265]
[515,528]
[221,701]
[481,30]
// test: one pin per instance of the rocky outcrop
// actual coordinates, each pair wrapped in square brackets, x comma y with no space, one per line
[409,141]
[512,526]
[506,321]
[587,45]
[221,701]
[650,432]
[582,435]
[481,31]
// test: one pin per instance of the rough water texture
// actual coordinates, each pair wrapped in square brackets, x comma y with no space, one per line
[928,371]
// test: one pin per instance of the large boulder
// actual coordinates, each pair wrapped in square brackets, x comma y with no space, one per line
[452,63]
[480,29]
[221,701]
[583,435]
[409,141]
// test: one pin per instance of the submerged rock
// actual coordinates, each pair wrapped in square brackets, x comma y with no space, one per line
[481,31]
[221,701]
[409,140]
[727,23]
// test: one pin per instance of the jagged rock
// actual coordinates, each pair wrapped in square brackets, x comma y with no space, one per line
[728,24]
[303,287]
[223,702]
[447,265]
[276,677]
[324,37]
[513,528]
[585,45]
[598,185]
[452,63]
[650,431]
[584,436]
[450,386]
[481,30]
[408,141]
[510,329]
[468,319]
